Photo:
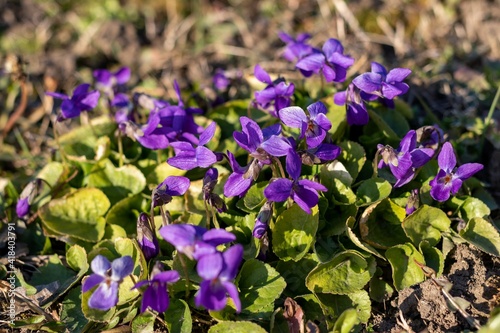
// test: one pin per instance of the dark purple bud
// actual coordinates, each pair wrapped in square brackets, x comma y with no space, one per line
[27,197]
[210,179]
[209,182]
[146,237]
[22,207]
[220,80]
[430,136]
[413,202]
[171,186]
[262,220]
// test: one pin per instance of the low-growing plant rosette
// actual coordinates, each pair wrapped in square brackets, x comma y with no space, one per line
[172,215]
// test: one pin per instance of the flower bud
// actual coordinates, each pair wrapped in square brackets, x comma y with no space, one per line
[413,202]
[262,220]
[27,197]
[146,237]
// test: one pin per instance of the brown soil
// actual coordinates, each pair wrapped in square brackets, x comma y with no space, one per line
[475,276]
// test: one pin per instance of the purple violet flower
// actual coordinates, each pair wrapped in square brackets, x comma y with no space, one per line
[379,82]
[449,180]
[82,100]
[238,183]
[296,48]
[146,237]
[262,145]
[148,102]
[304,192]
[171,186]
[156,294]
[123,108]
[218,271]
[323,153]
[27,196]
[108,276]
[188,157]
[314,127]
[252,137]
[430,136]
[108,81]
[194,241]
[220,80]
[331,62]
[355,107]
[277,94]
[404,160]
[262,220]
[150,135]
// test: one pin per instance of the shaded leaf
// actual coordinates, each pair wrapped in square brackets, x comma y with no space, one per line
[426,224]
[178,317]
[372,190]
[482,234]
[294,232]
[334,305]
[405,272]
[353,157]
[346,273]
[346,321]
[380,225]
[143,323]
[236,327]
[260,285]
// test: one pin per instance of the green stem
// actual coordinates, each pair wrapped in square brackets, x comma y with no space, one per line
[56,137]
[280,167]
[165,215]
[186,273]
[120,149]
[158,156]
[375,164]
[207,214]
[489,116]
[428,111]
[214,217]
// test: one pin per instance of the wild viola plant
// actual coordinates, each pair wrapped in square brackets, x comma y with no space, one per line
[173,215]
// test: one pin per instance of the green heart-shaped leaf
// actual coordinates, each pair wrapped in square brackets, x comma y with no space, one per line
[372,190]
[260,285]
[405,271]
[380,225]
[482,234]
[294,232]
[236,327]
[78,214]
[346,273]
[426,224]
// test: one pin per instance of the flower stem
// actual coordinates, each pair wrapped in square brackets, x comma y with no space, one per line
[186,273]
[207,212]
[56,137]
[277,161]
[375,164]
[165,215]
[488,118]
[214,217]
[120,149]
